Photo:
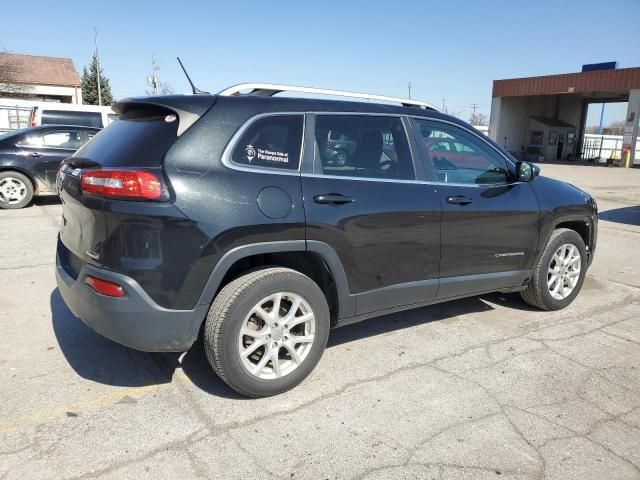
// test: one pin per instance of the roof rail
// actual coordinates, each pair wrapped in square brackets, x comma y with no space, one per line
[271,89]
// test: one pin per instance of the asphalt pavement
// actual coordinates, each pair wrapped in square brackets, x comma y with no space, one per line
[480,388]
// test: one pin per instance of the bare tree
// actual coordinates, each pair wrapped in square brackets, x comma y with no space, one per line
[478,119]
[614,128]
[10,72]
[450,111]
[163,89]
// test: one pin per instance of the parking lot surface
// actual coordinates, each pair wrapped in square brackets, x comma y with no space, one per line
[479,388]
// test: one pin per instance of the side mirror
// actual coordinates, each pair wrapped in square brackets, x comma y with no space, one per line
[526,171]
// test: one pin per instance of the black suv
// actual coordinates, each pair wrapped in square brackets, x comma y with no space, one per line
[220,210]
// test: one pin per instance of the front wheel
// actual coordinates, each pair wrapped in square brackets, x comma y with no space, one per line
[266,331]
[559,273]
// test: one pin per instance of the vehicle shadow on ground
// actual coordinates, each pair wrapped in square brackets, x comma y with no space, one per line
[98,359]
[625,215]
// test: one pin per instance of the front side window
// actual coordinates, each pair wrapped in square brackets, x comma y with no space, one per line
[363,146]
[272,142]
[70,140]
[457,156]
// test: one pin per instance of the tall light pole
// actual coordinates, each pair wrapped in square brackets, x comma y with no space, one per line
[409,87]
[98,67]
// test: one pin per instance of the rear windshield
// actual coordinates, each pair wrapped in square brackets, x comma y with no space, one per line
[134,142]
[69,117]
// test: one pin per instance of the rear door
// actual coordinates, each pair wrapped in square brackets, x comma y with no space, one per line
[383,225]
[46,150]
[490,223]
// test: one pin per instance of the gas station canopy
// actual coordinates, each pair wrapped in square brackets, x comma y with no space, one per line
[565,97]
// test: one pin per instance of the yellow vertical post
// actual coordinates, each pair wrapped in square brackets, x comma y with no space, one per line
[627,157]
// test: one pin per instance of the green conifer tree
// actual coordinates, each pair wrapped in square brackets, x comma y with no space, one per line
[90,85]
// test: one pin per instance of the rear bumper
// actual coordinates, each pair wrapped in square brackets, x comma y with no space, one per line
[136,320]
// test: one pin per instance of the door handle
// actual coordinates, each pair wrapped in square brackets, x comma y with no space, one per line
[459,200]
[35,155]
[333,199]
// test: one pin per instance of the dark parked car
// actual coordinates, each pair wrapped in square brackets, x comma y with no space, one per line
[30,157]
[218,210]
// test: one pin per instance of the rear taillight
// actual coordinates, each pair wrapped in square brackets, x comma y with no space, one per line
[104,287]
[130,184]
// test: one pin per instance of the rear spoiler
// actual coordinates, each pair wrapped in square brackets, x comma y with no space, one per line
[188,108]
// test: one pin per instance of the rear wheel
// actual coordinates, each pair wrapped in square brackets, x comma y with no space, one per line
[16,190]
[266,331]
[559,273]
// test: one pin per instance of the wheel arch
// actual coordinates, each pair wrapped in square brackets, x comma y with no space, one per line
[581,226]
[26,173]
[317,260]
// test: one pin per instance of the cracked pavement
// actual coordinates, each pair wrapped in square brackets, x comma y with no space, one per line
[478,388]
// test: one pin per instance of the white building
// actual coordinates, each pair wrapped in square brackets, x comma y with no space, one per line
[40,78]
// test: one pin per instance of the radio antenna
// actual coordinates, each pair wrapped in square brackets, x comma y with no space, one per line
[194,89]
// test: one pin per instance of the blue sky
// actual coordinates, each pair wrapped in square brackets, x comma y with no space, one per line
[448,49]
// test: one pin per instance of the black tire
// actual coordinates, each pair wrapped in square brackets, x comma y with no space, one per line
[228,312]
[537,293]
[26,183]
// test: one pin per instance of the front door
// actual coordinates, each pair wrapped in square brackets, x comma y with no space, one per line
[383,225]
[490,224]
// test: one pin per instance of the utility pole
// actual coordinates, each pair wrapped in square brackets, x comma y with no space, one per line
[409,87]
[473,119]
[98,67]
[153,79]
[601,120]
[443,107]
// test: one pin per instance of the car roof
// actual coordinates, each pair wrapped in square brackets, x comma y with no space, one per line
[199,103]
[55,126]
[297,104]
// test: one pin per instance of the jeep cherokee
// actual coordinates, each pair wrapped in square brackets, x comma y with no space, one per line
[219,211]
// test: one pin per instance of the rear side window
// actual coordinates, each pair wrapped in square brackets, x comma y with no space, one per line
[272,142]
[363,146]
[69,117]
[67,139]
[140,139]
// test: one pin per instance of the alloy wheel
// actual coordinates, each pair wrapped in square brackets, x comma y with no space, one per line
[564,271]
[277,335]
